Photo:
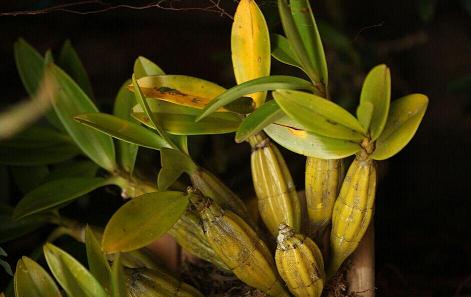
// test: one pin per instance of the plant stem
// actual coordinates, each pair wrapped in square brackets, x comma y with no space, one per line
[361,274]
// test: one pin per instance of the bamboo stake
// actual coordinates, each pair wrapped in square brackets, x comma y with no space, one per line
[361,275]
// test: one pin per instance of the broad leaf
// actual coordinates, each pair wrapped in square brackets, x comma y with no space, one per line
[74,168]
[143,220]
[71,101]
[29,177]
[293,137]
[260,84]
[263,116]
[281,50]
[404,118]
[365,113]
[151,118]
[250,45]
[376,91]
[319,115]
[145,67]
[307,29]
[30,65]
[118,288]
[70,62]
[127,152]
[122,129]
[180,89]
[97,262]
[174,164]
[184,124]
[295,40]
[37,146]
[71,275]
[31,280]
[11,229]
[56,193]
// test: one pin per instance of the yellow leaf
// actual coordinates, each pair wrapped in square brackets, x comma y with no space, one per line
[250,44]
[180,89]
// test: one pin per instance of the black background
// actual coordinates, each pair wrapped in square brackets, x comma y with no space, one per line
[423,202]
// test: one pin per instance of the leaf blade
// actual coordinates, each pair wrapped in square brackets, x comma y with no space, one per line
[319,115]
[377,91]
[281,50]
[97,262]
[250,45]
[263,116]
[70,62]
[297,140]
[70,274]
[149,216]
[31,280]
[127,152]
[145,67]
[55,193]
[266,83]
[122,129]
[307,28]
[71,100]
[405,116]
[37,146]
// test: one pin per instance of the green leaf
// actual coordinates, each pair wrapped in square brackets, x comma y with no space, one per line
[122,129]
[152,120]
[70,62]
[145,67]
[319,115]
[37,146]
[293,137]
[71,101]
[377,91]
[127,152]
[273,82]
[71,275]
[281,50]
[184,124]
[97,262]
[295,40]
[56,193]
[143,220]
[29,177]
[31,280]
[365,113]
[30,65]
[174,164]
[306,25]
[11,229]
[263,116]
[250,45]
[118,288]
[74,168]
[404,118]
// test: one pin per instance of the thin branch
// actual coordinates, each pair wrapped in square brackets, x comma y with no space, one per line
[214,6]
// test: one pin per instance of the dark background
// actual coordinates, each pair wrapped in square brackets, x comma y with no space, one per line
[423,220]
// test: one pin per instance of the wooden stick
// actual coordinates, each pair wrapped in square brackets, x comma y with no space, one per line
[361,275]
